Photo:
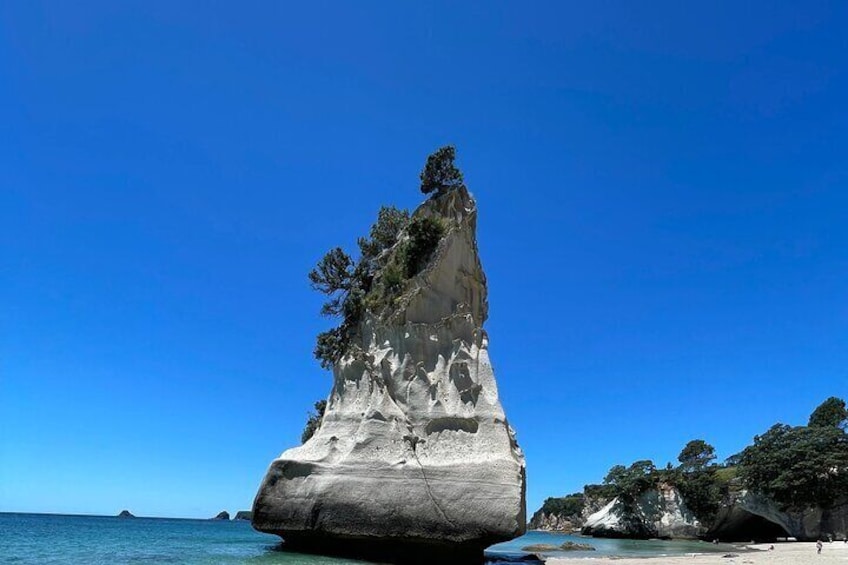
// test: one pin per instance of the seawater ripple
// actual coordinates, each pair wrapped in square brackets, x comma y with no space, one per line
[30,539]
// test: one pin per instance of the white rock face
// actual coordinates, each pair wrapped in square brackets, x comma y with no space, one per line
[414,449]
[657,513]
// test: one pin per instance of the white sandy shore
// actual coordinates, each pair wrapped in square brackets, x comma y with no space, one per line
[796,553]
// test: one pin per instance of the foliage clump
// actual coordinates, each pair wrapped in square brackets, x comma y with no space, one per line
[385,263]
[440,174]
[347,282]
[801,466]
[424,236]
[570,505]
[829,414]
[313,421]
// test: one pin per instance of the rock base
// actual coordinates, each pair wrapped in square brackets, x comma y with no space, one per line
[385,551]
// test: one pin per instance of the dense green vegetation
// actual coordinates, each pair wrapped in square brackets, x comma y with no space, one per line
[797,467]
[801,466]
[830,414]
[313,421]
[396,249]
[570,505]
[440,173]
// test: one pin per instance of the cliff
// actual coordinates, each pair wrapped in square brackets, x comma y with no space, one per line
[656,513]
[744,516]
[748,516]
[554,522]
[414,460]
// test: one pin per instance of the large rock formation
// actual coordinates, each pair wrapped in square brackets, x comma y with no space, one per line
[744,516]
[749,516]
[414,460]
[656,513]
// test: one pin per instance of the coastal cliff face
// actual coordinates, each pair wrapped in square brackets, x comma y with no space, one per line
[745,516]
[552,522]
[750,516]
[656,513]
[414,455]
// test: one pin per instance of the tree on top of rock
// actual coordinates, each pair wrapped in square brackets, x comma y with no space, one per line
[830,414]
[440,174]
[697,454]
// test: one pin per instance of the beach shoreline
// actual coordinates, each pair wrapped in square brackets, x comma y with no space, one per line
[789,553]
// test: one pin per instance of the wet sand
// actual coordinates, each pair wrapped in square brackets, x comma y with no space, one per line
[795,553]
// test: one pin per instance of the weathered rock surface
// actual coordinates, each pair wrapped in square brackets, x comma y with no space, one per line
[414,457]
[657,513]
[752,517]
[745,516]
[554,522]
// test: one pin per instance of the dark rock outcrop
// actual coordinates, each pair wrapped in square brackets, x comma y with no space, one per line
[414,460]
[125,514]
[243,515]
[749,516]
[222,515]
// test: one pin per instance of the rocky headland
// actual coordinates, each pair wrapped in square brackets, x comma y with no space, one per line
[243,515]
[792,482]
[663,513]
[223,515]
[413,460]
[125,514]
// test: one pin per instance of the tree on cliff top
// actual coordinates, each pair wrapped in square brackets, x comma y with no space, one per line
[440,173]
[798,467]
[697,454]
[830,414]
[629,482]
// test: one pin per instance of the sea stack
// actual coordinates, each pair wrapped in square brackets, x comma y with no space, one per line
[414,460]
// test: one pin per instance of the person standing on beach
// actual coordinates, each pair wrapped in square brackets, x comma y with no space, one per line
[818,547]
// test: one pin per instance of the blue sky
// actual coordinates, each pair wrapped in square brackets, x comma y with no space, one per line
[663,195]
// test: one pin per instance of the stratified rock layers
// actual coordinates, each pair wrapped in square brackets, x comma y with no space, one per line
[414,456]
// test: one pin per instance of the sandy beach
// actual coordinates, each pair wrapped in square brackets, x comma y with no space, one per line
[798,553]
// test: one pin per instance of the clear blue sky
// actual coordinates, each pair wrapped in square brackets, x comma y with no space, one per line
[663,194]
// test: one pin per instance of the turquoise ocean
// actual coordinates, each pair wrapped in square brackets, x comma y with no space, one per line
[79,540]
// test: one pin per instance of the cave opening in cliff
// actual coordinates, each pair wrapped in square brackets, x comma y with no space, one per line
[753,527]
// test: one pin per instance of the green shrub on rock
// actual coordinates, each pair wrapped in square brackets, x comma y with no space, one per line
[424,236]
[313,421]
